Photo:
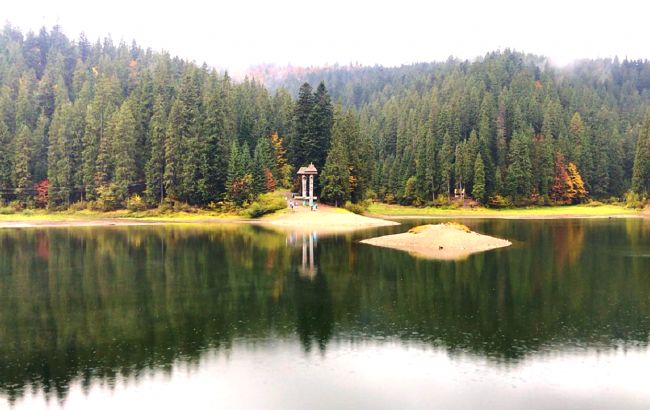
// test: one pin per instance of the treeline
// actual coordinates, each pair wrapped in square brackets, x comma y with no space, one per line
[117,125]
[506,128]
[110,126]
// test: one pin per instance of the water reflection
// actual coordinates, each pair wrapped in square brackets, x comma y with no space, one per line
[100,305]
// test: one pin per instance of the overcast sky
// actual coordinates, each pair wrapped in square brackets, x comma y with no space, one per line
[236,34]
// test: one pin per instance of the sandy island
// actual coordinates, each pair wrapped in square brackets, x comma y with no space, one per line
[443,241]
[325,220]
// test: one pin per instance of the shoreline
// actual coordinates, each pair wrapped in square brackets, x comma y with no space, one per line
[326,219]
[513,217]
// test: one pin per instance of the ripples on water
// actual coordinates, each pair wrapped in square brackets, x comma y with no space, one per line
[238,316]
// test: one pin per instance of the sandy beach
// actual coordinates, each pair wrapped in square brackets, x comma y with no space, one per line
[325,220]
[441,241]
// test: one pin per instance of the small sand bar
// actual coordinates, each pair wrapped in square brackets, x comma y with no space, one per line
[445,241]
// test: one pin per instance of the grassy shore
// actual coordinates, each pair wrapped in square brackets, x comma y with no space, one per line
[40,216]
[393,211]
[85,215]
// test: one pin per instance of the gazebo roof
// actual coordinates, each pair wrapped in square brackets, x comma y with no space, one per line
[308,170]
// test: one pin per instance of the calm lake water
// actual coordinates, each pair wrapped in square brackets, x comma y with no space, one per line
[242,317]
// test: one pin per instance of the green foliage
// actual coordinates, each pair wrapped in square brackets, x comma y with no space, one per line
[335,177]
[634,200]
[478,190]
[136,204]
[641,170]
[498,201]
[358,208]
[265,204]
[107,199]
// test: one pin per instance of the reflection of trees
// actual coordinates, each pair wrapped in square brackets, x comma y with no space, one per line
[313,311]
[94,303]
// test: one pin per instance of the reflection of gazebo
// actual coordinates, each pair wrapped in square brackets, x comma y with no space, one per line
[304,172]
[306,241]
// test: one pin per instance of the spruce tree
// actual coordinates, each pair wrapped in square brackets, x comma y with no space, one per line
[335,178]
[155,167]
[216,146]
[6,162]
[303,144]
[59,171]
[641,168]
[321,122]
[173,151]
[124,150]
[478,189]
[263,166]
[519,177]
[23,176]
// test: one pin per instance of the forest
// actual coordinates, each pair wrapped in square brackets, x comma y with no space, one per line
[106,126]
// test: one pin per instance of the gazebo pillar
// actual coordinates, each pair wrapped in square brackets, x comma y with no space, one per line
[304,186]
[311,188]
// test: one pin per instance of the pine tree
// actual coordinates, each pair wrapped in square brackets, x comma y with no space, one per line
[233,157]
[92,135]
[59,173]
[520,170]
[216,146]
[478,190]
[155,167]
[542,160]
[641,168]
[173,151]
[321,122]
[124,129]
[576,138]
[445,159]
[335,178]
[6,162]
[263,165]
[22,172]
[303,143]
[283,168]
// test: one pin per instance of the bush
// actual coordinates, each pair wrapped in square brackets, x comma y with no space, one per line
[359,208]
[78,206]
[389,199]
[265,204]
[371,195]
[179,206]
[633,200]
[136,204]
[7,210]
[594,204]
[498,201]
[106,199]
[17,206]
[442,201]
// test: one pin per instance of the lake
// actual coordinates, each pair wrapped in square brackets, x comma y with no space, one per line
[237,316]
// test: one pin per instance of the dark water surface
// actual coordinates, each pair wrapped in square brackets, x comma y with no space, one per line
[242,317]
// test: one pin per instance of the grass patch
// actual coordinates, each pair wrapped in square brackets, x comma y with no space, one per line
[548,211]
[419,229]
[459,226]
[455,225]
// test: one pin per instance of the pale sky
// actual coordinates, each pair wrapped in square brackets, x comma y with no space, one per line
[236,34]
